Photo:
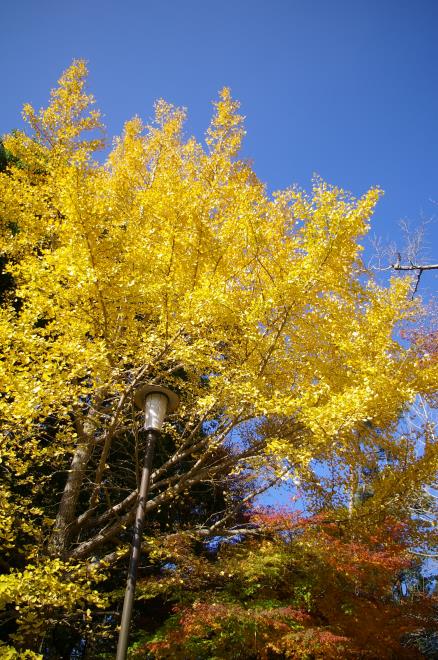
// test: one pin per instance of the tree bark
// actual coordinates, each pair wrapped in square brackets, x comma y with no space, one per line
[66,515]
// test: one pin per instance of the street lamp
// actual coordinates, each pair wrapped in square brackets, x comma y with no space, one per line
[156,401]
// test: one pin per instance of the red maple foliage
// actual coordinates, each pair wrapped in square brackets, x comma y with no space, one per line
[296,587]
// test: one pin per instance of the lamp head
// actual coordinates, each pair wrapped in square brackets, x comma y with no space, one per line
[156,401]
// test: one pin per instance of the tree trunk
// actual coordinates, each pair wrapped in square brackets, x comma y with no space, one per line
[58,542]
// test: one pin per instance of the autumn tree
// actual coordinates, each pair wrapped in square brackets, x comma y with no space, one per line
[293,586]
[170,263]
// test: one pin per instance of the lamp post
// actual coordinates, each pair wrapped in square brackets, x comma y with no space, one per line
[156,401]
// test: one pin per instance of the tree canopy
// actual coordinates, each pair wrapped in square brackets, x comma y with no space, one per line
[169,262]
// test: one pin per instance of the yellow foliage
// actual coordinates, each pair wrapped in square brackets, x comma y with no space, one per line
[173,255]
[10,653]
[166,250]
[40,591]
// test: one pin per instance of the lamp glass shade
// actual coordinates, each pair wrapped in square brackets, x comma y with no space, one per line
[155,409]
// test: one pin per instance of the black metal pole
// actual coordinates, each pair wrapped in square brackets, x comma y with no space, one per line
[122,645]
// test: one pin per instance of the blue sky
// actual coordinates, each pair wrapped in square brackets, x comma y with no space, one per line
[347,89]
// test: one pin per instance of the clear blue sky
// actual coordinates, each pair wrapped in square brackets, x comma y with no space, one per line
[347,89]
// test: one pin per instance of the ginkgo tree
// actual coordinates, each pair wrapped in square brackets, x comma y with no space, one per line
[170,263]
